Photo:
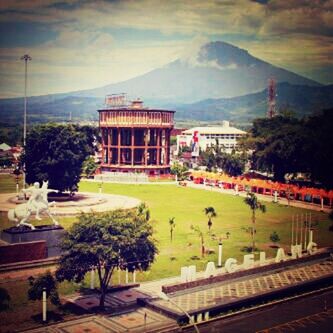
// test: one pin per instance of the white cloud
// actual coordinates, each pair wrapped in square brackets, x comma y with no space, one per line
[91,61]
[296,34]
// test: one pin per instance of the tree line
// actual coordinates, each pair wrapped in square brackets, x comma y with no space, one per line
[279,146]
[288,145]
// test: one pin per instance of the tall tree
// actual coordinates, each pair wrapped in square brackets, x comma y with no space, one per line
[143,211]
[121,238]
[285,144]
[254,204]
[56,153]
[277,145]
[210,213]
[319,147]
[172,225]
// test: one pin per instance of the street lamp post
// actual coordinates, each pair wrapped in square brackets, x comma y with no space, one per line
[162,295]
[17,175]
[219,261]
[26,58]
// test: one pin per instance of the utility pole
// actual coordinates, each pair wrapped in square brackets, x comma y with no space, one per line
[26,58]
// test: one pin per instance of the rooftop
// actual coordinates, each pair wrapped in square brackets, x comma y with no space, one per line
[226,129]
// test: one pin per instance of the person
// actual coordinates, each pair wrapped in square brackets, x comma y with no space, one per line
[236,189]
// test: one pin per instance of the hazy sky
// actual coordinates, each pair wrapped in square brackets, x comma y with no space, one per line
[79,44]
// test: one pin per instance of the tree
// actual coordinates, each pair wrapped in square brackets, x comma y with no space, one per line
[215,157]
[105,241]
[252,201]
[89,167]
[278,145]
[274,237]
[233,164]
[56,153]
[210,213]
[143,211]
[285,144]
[196,229]
[318,147]
[47,282]
[181,171]
[172,225]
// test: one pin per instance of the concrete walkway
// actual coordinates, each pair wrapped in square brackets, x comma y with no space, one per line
[82,202]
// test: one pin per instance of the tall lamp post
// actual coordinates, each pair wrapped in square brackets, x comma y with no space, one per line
[26,58]
[165,297]
[219,260]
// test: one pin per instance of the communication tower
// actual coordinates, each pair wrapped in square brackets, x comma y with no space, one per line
[271,111]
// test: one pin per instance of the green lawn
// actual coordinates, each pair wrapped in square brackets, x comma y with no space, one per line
[186,205]
[8,183]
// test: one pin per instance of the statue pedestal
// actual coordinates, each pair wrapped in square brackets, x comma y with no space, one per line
[51,234]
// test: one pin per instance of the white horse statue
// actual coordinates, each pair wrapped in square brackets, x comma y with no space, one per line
[37,203]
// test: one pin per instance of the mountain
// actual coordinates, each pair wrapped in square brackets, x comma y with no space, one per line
[215,75]
[218,70]
[302,100]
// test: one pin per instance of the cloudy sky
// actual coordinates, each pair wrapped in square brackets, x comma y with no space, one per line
[79,44]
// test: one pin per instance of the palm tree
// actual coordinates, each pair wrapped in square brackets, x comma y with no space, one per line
[172,226]
[143,211]
[201,236]
[252,201]
[210,213]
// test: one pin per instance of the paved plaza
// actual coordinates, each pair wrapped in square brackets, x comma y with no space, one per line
[140,320]
[242,288]
[115,300]
[132,318]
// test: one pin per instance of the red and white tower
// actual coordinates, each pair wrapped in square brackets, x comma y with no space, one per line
[271,98]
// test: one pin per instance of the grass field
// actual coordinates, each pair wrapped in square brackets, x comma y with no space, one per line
[186,205]
[8,183]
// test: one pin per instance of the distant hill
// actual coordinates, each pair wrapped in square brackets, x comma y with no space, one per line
[303,100]
[55,108]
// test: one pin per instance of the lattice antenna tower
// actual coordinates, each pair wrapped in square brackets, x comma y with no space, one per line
[271,98]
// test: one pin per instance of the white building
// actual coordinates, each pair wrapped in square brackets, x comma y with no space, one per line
[207,136]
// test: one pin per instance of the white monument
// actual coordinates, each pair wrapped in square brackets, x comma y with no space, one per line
[36,204]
